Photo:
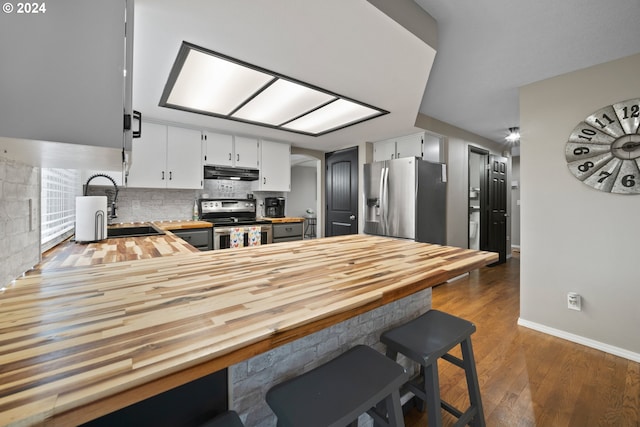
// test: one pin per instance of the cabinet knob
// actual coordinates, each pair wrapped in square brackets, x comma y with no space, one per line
[163,175]
[229,156]
[237,157]
[352,217]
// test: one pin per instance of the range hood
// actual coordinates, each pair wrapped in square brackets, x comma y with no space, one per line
[225,172]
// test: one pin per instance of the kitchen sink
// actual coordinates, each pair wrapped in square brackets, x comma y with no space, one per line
[133,231]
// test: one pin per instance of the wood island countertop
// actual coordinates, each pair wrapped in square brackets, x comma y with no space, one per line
[70,254]
[76,344]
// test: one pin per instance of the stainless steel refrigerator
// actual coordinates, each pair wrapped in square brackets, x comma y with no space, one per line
[406,198]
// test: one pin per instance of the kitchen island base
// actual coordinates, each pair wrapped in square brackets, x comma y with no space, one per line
[249,380]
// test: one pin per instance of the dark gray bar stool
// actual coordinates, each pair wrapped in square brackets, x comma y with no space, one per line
[426,339]
[226,419]
[336,393]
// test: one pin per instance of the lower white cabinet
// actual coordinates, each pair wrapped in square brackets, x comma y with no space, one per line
[275,167]
[166,157]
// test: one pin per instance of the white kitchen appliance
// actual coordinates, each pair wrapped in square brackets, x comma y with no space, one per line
[91,218]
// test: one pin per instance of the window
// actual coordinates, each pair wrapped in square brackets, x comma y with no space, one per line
[59,188]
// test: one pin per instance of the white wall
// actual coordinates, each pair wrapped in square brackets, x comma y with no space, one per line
[515,199]
[575,238]
[303,194]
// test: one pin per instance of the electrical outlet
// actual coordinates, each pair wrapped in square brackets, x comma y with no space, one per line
[574,301]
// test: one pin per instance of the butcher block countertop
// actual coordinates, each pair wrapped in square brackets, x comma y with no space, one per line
[72,254]
[182,225]
[78,343]
[285,219]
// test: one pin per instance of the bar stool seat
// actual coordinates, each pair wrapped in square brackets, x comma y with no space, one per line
[226,419]
[336,393]
[426,339]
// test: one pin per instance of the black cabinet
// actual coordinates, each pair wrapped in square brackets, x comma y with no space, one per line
[286,232]
[189,405]
[201,238]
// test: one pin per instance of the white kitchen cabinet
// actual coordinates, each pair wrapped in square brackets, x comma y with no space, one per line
[396,148]
[246,152]
[184,151]
[275,167]
[384,150]
[228,150]
[63,71]
[166,157]
[218,149]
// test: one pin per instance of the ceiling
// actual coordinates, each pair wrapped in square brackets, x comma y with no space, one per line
[349,48]
[486,50]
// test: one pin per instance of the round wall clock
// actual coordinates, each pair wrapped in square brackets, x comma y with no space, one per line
[603,151]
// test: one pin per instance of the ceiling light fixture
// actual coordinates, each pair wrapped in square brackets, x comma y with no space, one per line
[206,82]
[514,135]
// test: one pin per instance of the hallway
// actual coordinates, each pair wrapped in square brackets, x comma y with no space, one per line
[528,378]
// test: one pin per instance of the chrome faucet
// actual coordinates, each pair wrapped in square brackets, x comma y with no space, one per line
[112,212]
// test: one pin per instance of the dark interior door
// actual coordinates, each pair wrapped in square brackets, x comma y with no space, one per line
[497,207]
[341,192]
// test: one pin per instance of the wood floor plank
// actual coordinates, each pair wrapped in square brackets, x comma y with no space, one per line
[528,378]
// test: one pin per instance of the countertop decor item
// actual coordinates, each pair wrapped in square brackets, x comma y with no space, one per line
[603,150]
[91,218]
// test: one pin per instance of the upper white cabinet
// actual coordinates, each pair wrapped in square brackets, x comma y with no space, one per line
[396,148]
[246,152]
[63,72]
[184,151]
[275,167]
[229,150]
[166,157]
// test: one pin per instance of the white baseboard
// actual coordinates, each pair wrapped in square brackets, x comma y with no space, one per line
[617,351]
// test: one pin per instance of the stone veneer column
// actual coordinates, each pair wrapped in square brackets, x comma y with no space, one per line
[19,239]
[250,379]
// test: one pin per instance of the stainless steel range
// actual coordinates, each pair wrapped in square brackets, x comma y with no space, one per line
[234,222]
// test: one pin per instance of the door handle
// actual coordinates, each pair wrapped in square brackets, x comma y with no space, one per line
[237,157]
[229,156]
[352,217]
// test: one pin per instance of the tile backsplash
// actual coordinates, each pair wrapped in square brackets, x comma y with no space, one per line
[152,204]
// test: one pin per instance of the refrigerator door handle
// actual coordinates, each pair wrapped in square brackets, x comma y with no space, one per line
[385,202]
[380,206]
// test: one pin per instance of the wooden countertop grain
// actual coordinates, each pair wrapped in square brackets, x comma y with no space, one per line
[181,225]
[286,219]
[71,254]
[78,343]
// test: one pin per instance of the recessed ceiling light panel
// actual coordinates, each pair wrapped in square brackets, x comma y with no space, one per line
[212,84]
[206,82]
[282,102]
[336,115]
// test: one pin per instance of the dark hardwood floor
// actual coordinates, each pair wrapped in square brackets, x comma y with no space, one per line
[528,378]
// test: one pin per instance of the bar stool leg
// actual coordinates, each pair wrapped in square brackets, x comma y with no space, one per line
[432,392]
[472,382]
[394,409]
